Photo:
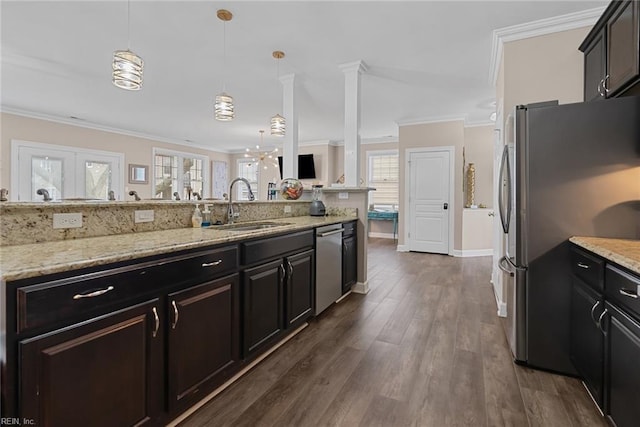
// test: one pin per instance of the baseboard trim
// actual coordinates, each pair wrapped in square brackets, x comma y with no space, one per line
[377,235]
[402,248]
[220,389]
[466,253]
[360,288]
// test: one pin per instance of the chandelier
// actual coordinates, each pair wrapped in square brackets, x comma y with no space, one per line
[262,157]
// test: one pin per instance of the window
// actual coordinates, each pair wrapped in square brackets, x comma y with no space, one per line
[182,173]
[65,172]
[247,169]
[384,170]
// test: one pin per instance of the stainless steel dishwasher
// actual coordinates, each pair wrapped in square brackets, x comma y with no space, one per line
[328,266]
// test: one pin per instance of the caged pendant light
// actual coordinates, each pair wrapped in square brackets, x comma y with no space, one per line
[224,102]
[127,66]
[278,125]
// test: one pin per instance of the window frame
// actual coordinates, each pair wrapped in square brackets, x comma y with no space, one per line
[371,154]
[206,178]
[239,188]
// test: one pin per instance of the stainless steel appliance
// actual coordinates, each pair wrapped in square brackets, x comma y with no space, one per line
[568,170]
[317,208]
[328,266]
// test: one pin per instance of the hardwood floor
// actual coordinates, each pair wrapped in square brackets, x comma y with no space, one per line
[423,348]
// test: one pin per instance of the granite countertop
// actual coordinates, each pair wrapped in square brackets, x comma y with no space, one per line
[621,251]
[24,261]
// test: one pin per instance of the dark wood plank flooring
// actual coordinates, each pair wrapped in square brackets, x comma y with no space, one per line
[423,348]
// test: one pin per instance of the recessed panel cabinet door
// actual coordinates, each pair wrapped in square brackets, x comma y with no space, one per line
[105,372]
[594,69]
[622,46]
[299,287]
[204,334]
[349,263]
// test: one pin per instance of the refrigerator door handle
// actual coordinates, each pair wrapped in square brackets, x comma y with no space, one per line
[504,210]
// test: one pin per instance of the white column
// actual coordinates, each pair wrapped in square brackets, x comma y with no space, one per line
[290,145]
[352,72]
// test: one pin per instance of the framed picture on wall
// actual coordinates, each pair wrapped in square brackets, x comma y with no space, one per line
[220,179]
[138,174]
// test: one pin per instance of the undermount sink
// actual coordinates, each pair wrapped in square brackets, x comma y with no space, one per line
[243,227]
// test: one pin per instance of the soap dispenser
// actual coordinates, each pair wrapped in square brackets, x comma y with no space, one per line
[196,218]
[206,216]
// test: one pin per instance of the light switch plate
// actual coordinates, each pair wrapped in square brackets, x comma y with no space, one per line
[67,220]
[343,195]
[143,216]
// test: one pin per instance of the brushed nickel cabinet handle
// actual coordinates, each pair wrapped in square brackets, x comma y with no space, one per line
[600,322]
[157,319]
[94,293]
[581,265]
[604,84]
[593,310]
[627,293]
[282,274]
[176,315]
[212,264]
[600,88]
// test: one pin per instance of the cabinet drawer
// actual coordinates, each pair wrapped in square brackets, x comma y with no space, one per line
[92,293]
[588,268]
[349,229]
[623,288]
[264,249]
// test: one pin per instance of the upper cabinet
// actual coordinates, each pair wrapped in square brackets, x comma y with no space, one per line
[612,53]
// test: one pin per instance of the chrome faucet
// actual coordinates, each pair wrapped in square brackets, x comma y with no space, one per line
[197,195]
[135,195]
[230,214]
[44,193]
[112,195]
[176,195]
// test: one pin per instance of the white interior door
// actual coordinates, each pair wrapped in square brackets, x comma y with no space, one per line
[429,201]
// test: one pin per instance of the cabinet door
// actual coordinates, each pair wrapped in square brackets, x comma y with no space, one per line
[263,304]
[594,68]
[349,263]
[622,46]
[204,337]
[623,368]
[299,287]
[586,347]
[105,372]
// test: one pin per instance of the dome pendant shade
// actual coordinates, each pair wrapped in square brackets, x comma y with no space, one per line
[127,70]
[277,125]
[224,108]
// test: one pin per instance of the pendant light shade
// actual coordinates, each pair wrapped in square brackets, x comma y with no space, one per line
[278,125]
[127,70]
[127,66]
[223,107]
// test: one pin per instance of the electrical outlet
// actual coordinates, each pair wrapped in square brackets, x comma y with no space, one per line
[67,220]
[343,195]
[287,209]
[143,216]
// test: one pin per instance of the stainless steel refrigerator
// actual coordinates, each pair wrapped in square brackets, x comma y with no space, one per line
[567,170]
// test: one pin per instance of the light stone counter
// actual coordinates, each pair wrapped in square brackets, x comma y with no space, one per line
[621,251]
[31,260]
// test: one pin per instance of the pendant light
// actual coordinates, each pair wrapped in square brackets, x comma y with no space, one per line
[127,66]
[224,102]
[277,121]
[262,156]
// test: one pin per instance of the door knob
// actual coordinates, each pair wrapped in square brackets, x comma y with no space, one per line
[446,206]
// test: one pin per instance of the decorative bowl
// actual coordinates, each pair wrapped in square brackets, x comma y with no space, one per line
[291,189]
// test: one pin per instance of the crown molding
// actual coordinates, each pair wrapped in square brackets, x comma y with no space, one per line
[104,128]
[541,27]
[479,123]
[434,119]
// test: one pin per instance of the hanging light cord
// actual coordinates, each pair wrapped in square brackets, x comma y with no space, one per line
[224,56]
[128,25]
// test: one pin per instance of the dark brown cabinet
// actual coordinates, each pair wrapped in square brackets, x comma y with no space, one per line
[586,346]
[299,284]
[623,370]
[104,372]
[349,256]
[203,337]
[612,53]
[263,288]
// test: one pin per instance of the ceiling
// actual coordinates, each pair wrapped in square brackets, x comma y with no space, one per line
[426,60]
